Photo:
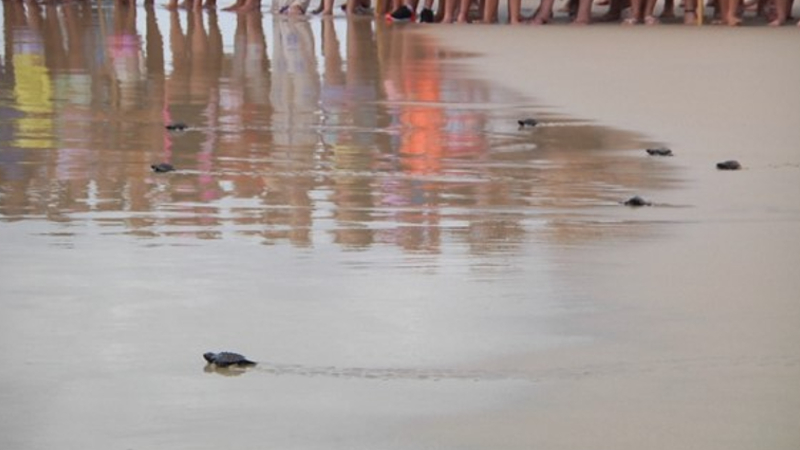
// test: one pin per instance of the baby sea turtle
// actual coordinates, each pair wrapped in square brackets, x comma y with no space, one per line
[527,122]
[177,126]
[661,151]
[729,165]
[227,359]
[162,168]
[637,201]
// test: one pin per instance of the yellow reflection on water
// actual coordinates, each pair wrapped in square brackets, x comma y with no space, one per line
[32,93]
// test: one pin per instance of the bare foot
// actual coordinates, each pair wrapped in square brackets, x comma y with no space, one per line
[733,21]
[629,21]
[539,19]
[689,18]
[651,20]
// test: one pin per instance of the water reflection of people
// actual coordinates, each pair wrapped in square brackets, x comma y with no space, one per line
[23,55]
[246,112]
[295,83]
[294,95]
[192,95]
[250,69]
[125,52]
[348,99]
[413,85]
[33,88]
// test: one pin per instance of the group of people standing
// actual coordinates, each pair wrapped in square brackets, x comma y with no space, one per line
[627,12]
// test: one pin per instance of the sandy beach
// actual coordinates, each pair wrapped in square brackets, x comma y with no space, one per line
[707,318]
[356,209]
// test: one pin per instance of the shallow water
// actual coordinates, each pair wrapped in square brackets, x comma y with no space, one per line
[349,208]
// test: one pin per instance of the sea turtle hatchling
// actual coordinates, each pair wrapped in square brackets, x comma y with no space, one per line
[729,165]
[637,201]
[162,168]
[528,122]
[177,126]
[227,359]
[661,151]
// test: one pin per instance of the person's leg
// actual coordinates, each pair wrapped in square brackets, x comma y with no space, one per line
[250,5]
[584,14]
[449,11]
[781,12]
[463,11]
[544,13]
[490,11]
[439,11]
[690,12]
[514,7]
[637,7]
[572,8]
[728,12]
[668,12]
[649,12]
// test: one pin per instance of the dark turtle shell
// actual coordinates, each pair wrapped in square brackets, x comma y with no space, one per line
[177,126]
[527,122]
[729,165]
[637,201]
[226,359]
[661,151]
[162,168]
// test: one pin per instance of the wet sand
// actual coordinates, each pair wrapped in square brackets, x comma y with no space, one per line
[409,268]
[698,346]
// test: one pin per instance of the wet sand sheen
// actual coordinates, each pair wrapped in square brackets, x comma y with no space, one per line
[721,284]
